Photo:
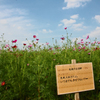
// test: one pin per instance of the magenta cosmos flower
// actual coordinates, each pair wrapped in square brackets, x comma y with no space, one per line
[63,38]
[24,44]
[65,28]
[34,36]
[84,47]
[37,39]
[14,41]
[87,37]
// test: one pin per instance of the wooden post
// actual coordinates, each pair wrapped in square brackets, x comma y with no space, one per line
[73,61]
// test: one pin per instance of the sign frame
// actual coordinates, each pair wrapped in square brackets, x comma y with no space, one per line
[74,64]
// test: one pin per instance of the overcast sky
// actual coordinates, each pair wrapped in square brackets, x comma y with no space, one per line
[21,19]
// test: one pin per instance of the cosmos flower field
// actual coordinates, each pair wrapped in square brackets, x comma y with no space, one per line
[29,74]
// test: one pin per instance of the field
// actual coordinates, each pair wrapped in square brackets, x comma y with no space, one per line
[29,74]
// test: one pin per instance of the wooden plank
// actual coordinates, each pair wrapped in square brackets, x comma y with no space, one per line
[72,78]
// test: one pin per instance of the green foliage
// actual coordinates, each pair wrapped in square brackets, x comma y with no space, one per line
[31,75]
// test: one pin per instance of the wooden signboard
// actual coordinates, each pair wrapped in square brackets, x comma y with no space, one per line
[72,78]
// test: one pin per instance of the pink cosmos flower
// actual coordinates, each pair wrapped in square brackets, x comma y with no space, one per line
[87,37]
[6,45]
[94,42]
[65,28]
[14,41]
[47,43]
[89,53]
[98,42]
[27,64]
[79,47]
[34,36]
[73,49]
[79,43]
[36,42]
[30,46]
[82,42]
[81,39]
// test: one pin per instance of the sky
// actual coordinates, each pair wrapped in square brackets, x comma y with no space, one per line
[21,19]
